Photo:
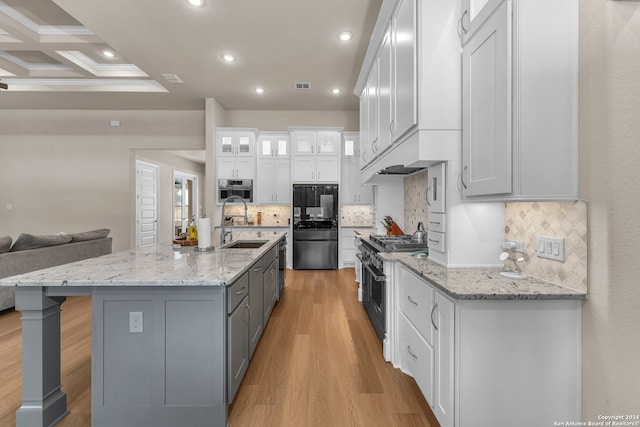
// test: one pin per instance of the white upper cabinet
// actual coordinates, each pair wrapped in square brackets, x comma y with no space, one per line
[520,85]
[473,15]
[236,153]
[486,107]
[315,155]
[404,84]
[273,145]
[352,191]
[273,181]
[236,142]
[411,82]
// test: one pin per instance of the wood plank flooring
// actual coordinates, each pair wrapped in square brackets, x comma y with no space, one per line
[318,363]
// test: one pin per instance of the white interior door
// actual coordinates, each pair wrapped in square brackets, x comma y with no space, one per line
[146,203]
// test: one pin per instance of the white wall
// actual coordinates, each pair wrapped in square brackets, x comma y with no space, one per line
[70,171]
[609,126]
[276,120]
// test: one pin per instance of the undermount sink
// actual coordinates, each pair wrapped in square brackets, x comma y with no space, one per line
[513,275]
[246,244]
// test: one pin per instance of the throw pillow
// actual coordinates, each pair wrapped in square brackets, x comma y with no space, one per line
[90,235]
[5,244]
[32,241]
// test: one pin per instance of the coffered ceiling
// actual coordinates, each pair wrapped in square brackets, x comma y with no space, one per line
[168,54]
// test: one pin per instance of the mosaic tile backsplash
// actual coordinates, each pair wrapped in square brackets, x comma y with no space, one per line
[415,201]
[526,220]
[356,216]
[273,215]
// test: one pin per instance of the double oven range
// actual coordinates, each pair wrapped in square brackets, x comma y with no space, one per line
[373,279]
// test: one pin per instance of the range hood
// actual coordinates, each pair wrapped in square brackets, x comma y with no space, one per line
[398,170]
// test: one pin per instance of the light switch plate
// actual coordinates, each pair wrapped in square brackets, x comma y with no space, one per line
[135,322]
[550,248]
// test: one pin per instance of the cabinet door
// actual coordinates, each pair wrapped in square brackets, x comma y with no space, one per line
[327,169]
[303,169]
[265,181]
[269,289]
[226,167]
[255,306]
[443,318]
[372,112]
[303,142]
[404,93]
[244,167]
[273,146]
[486,107]
[328,143]
[282,181]
[238,351]
[226,145]
[473,13]
[384,94]
[364,128]
[244,144]
[349,181]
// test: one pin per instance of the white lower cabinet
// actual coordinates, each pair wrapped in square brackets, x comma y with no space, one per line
[487,363]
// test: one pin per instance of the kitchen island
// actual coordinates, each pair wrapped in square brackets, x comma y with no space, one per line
[162,325]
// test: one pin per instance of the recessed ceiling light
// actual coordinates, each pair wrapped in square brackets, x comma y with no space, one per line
[335,91]
[228,57]
[196,3]
[345,36]
[259,90]
[108,53]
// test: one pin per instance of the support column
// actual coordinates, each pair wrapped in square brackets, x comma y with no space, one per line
[43,401]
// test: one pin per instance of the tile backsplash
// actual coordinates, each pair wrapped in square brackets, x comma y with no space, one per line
[356,216]
[415,201]
[526,220]
[274,215]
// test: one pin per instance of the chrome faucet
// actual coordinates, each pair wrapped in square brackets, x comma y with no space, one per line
[223,233]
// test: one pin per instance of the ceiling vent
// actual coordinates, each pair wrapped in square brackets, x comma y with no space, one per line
[303,85]
[172,78]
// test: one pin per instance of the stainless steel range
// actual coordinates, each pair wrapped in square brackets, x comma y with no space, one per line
[373,277]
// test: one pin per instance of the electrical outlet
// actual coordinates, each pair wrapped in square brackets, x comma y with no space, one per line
[514,245]
[135,322]
[550,248]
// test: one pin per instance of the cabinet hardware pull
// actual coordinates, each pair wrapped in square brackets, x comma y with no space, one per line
[462,21]
[411,352]
[412,301]
[241,291]
[462,177]
[432,322]
[434,241]
[428,202]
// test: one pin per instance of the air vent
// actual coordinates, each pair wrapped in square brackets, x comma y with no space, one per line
[303,85]
[172,78]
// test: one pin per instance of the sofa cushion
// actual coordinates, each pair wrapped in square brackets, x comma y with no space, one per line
[5,244]
[90,235]
[32,241]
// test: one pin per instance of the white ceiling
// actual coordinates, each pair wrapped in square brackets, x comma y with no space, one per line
[50,53]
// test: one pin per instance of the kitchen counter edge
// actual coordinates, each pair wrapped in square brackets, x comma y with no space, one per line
[482,283]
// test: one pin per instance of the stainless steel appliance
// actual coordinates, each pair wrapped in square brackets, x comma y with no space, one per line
[315,227]
[242,188]
[373,276]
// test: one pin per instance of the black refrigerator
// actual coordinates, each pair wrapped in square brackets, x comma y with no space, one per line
[315,227]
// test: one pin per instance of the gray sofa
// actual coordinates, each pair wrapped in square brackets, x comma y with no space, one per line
[13,263]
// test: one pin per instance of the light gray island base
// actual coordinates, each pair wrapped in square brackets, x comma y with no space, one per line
[161,351]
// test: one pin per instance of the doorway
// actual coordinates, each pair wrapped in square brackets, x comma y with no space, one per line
[185,201]
[146,203]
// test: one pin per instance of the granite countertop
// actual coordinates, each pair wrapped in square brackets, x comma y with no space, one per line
[250,226]
[482,283]
[160,265]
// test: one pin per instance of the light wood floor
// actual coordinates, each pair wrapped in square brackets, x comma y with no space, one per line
[319,363]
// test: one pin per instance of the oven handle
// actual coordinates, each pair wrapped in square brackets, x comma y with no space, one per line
[376,275]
